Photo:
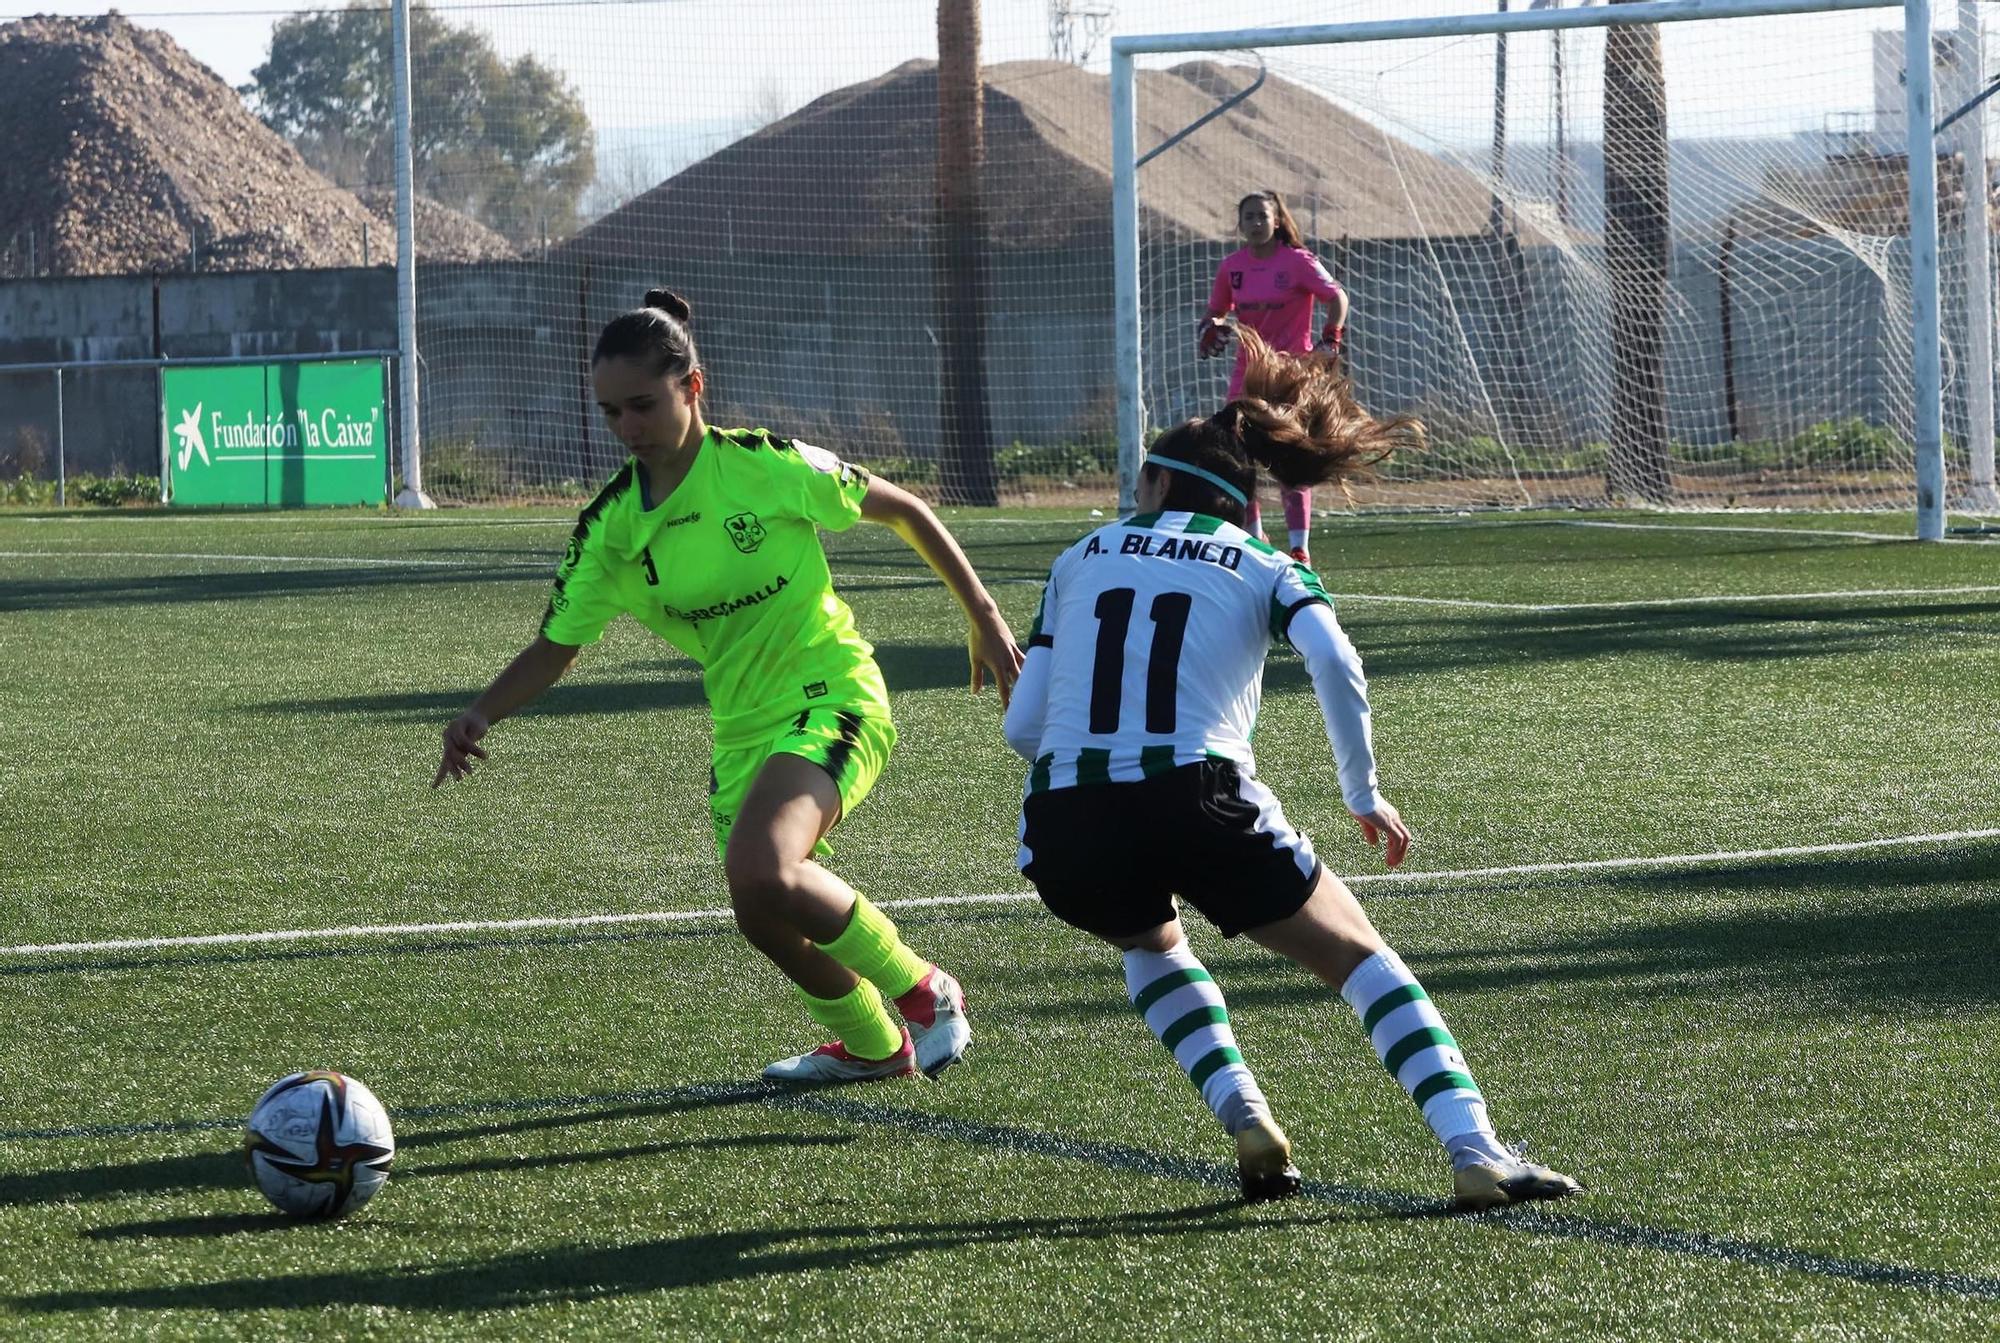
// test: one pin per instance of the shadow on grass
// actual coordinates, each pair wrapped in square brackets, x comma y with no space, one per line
[224,1170]
[1934,953]
[1752,632]
[583,1273]
[312,578]
[906,666]
[439,566]
[589,1272]
[1914,953]
[230,1224]
[1021,557]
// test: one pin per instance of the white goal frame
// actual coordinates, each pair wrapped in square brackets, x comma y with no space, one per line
[1926,350]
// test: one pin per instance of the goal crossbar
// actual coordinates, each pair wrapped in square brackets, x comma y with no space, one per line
[1927,350]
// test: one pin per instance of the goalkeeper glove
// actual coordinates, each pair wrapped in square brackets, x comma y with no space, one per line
[1332,337]
[1214,338]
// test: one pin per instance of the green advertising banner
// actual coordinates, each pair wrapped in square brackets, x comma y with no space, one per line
[276,435]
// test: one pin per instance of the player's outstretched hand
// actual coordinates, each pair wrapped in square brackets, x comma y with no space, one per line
[1214,337]
[461,747]
[1385,828]
[994,653]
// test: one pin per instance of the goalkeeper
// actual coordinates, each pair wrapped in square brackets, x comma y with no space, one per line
[710,538]
[1270,283]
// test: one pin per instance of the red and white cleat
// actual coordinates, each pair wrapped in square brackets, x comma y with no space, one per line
[935,1012]
[831,1065]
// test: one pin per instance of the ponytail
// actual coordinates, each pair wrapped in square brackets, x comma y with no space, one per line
[1297,418]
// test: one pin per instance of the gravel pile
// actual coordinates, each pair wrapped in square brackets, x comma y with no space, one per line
[127,155]
[443,234]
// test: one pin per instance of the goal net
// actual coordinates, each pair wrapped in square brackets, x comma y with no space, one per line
[1666,264]
[779,165]
[1669,266]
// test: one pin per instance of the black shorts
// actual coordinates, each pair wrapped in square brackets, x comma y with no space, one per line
[1109,858]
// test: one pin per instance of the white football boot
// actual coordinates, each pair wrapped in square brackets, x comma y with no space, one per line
[831,1065]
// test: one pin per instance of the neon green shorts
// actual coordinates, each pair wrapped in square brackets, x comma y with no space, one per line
[851,747]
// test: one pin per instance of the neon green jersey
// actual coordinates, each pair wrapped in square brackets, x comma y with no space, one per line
[729,569]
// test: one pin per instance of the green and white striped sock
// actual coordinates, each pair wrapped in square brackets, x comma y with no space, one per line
[1411,1040]
[1184,1007]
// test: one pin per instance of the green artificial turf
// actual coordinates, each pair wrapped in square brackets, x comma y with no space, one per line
[1776,1072]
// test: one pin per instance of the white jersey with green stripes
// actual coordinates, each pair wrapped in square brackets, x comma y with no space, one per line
[1156,628]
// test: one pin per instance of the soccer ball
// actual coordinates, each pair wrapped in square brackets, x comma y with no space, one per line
[318,1144]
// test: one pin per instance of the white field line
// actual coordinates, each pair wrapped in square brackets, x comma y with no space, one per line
[565,520]
[1707,599]
[937,901]
[1895,537]
[1497,519]
[914,580]
[329,523]
[365,561]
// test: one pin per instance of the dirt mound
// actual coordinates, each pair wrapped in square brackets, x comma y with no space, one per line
[128,155]
[853,172]
[443,234]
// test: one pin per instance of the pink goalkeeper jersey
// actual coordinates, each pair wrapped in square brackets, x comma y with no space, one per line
[1273,296]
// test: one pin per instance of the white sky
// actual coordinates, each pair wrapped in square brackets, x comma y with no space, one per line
[711,64]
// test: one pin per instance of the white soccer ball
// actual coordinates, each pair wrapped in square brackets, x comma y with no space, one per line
[318,1144]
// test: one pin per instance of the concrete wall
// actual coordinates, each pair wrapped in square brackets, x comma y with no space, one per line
[843,350]
[111,416]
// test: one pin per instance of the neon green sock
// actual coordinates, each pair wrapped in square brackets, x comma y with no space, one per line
[871,948]
[859,1019]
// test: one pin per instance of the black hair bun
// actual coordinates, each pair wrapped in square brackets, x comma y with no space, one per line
[670,303]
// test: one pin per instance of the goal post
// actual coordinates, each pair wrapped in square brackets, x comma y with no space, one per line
[1783,241]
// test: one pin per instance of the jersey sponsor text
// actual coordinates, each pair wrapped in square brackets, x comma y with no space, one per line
[734,604]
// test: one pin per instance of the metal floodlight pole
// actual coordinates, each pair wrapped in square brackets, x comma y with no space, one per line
[1497,206]
[412,494]
[1927,352]
[1125,270]
[1976,238]
[1124,135]
[62,448]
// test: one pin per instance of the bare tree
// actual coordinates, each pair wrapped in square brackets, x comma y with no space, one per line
[967,477]
[621,177]
[767,104]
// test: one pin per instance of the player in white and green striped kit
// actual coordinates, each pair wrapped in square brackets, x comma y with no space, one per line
[1135,708]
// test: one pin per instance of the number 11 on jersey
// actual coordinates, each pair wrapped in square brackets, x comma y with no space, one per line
[1169,613]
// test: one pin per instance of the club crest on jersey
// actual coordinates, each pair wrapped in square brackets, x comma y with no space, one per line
[1236,279]
[745,531]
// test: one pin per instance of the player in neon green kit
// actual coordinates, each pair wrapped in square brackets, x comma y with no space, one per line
[710,538]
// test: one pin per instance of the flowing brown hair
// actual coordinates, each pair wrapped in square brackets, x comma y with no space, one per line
[1297,418]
